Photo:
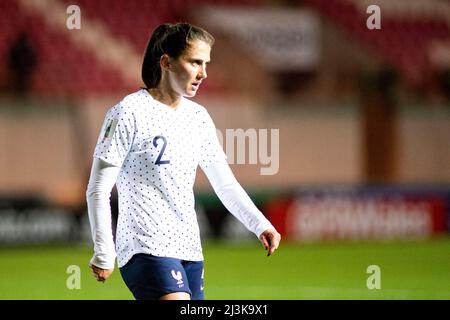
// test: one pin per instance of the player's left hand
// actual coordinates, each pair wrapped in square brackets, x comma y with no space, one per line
[270,238]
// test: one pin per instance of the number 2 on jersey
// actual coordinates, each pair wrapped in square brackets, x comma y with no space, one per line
[155,144]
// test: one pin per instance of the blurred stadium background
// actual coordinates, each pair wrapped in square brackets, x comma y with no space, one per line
[363,170]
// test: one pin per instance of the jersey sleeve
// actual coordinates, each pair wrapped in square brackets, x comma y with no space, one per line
[235,199]
[101,181]
[211,150]
[116,136]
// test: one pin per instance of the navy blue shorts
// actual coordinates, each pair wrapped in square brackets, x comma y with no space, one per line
[149,277]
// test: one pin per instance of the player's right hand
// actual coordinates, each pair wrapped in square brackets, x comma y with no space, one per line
[101,274]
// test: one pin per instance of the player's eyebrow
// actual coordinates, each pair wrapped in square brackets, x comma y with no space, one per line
[200,61]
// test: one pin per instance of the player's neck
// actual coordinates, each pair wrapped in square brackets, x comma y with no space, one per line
[171,100]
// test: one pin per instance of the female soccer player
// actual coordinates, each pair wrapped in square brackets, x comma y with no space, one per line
[150,146]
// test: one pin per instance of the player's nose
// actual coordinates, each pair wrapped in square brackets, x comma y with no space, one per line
[202,73]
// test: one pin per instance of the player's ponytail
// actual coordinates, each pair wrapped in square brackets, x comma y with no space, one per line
[171,39]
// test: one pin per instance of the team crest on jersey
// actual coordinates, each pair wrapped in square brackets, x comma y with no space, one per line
[179,277]
[110,127]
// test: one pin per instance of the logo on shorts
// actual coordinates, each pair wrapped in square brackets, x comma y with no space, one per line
[178,276]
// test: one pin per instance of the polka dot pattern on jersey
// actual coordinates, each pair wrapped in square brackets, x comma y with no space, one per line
[158,150]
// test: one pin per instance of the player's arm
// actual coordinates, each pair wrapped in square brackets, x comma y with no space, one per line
[237,201]
[102,179]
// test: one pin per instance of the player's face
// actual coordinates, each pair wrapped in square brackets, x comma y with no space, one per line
[189,70]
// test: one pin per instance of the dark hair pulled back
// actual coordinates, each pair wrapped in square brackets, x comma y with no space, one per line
[170,39]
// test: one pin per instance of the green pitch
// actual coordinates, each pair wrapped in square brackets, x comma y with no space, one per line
[407,270]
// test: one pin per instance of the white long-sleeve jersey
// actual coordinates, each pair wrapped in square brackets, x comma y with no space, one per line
[151,152]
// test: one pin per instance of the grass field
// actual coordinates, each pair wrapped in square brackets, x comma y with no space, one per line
[408,269]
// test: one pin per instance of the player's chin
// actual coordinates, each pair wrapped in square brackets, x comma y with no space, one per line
[190,93]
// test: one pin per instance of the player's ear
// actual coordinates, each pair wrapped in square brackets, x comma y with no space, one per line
[165,62]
